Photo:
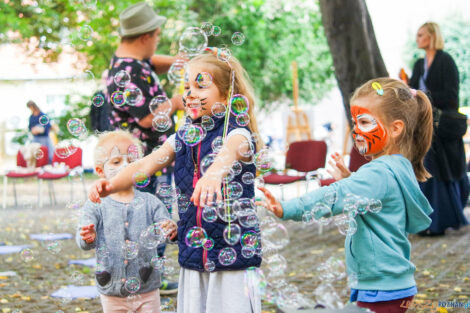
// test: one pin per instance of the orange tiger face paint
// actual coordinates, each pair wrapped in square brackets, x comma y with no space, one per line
[369,134]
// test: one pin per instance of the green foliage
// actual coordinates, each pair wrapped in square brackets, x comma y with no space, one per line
[277,33]
[456,33]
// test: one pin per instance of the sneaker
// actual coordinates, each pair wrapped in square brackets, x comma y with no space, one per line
[168,287]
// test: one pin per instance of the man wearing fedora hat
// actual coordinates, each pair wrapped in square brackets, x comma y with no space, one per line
[140,29]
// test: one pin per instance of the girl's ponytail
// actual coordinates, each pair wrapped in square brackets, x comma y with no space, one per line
[422,136]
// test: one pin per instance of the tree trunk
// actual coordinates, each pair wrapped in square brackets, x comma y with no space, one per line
[351,38]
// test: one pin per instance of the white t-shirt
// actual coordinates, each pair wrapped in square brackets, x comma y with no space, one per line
[236,131]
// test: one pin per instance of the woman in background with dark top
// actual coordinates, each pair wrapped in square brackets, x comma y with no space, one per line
[447,191]
[39,126]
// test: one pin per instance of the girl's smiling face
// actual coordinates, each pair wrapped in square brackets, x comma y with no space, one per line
[200,92]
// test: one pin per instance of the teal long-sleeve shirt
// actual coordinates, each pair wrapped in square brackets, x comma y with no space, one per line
[379,252]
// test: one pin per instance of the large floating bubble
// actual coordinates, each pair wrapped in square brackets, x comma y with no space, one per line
[195,237]
[160,104]
[227,256]
[193,41]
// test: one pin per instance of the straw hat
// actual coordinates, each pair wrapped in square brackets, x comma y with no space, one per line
[139,19]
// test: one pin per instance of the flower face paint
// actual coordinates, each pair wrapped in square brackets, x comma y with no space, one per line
[369,134]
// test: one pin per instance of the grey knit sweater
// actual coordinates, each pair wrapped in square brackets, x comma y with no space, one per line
[110,219]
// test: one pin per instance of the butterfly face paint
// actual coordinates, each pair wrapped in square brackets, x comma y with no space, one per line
[369,134]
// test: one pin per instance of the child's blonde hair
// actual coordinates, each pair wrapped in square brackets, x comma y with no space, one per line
[399,102]
[99,156]
[221,72]
[434,31]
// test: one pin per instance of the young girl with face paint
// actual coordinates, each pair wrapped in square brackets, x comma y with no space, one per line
[221,127]
[393,127]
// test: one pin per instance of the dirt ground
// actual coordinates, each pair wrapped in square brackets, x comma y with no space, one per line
[443,263]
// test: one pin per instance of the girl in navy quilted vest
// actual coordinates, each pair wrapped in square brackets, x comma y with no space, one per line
[214,153]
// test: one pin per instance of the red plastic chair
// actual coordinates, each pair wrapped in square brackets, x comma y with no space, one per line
[302,156]
[356,160]
[73,161]
[16,174]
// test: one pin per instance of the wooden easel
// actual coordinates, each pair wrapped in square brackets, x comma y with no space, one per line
[298,127]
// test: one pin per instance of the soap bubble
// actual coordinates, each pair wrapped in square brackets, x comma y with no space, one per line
[164,190]
[122,78]
[375,206]
[330,196]
[157,262]
[177,71]
[276,264]
[193,135]
[246,149]
[236,168]
[207,28]
[193,41]
[204,79]
[227,256]
[240,104]
[248,178]
[152,236]
[195,237]
[326,295]
[224,54]
[243,119]
[117,98]
[218,109]
[322,213]
[232,234]
[76,127]
[248,218]
[206,162]
[216,30]
[183,202]
[264,160]
[209,214]
[85,32]
[132,285]
[238,38]
[27,255]
[133,96]
[141,180]
[307,218]
[178,145]
[208,244]
[209,266]
[234,190]
[97,100]
[130,249]
[217,144]
[227,209]
[347,226]
[362,205]
[248,252]
[43,120]
[249,239]
[275,235]
[207,123]
[160,104]
[161,122]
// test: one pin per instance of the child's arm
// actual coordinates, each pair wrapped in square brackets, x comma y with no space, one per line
[149,165]
[210,183]
[369,182]
[86,230]
[339,169]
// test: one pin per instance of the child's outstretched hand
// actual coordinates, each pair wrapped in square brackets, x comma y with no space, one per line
[339,169]
[170,229]
[273,204]
[206,187]
[88,233]
[100,189]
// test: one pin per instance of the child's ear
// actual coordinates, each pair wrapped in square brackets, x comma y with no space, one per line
[397,128]
[99,171]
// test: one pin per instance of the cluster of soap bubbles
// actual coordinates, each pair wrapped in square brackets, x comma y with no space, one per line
[77,128]
[321,212]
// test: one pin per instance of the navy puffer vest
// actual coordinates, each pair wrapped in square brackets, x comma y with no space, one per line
[195,258]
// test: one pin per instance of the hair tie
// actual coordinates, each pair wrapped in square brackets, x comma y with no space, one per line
[413,92]
[378,88]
